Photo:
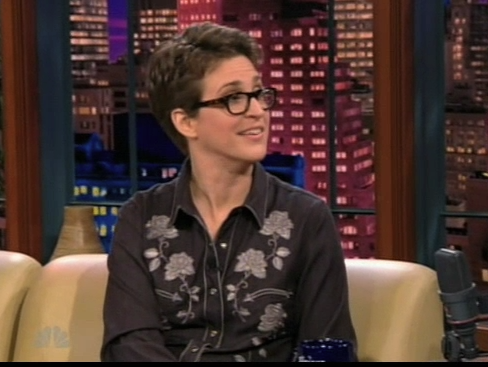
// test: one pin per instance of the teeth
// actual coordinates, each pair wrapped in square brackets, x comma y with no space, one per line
[253,132]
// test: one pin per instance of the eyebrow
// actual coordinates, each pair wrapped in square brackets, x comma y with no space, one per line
[238,83]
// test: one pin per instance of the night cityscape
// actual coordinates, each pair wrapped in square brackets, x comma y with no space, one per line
[295,38]
[296,41]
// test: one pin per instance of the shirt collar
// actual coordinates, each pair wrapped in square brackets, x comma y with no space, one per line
[256,201]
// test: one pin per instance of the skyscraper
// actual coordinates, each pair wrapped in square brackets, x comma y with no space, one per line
[469,47]
[354,29]
[155,21]
[294,37]
[89,40]
[92,98]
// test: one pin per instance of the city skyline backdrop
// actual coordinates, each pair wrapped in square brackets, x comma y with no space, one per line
[299,127]
[462,32]
[297,47]
[118,13]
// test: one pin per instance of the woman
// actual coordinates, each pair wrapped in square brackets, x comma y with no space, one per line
[225,262]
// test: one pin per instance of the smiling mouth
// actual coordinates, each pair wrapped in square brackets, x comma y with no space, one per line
[253,132]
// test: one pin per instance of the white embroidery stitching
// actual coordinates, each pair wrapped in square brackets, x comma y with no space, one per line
[252,262]
[178,266]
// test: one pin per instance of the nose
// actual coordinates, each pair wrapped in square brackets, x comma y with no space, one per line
[255,108]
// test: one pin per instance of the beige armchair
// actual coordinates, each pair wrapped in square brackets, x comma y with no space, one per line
[61,319]
[17,273]
[395,309]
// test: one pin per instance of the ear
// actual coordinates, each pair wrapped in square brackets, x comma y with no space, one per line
[183,123]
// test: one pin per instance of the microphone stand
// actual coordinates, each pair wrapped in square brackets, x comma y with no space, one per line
[452,348]
[459,343]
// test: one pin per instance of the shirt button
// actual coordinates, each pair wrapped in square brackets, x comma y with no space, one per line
[223,245]
[213,291]
[194,349]
[214,333]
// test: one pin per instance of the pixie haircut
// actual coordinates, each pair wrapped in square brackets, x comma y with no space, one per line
[175,70]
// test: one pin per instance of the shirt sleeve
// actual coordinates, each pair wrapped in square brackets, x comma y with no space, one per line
[323,297]
[131,316]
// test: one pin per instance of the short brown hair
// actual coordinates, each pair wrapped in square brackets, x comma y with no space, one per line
[176,68]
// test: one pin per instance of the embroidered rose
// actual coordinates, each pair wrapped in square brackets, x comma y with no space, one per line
[277,223]
[252,261]
[272,319]
[179,266]
[255,262]
[158,227]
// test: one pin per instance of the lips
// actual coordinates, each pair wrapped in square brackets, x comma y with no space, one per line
[253,131]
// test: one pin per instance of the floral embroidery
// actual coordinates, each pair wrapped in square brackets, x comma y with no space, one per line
[272,319]
[251,262]
[158,228]
[277,225]
[178,266]
[254,263]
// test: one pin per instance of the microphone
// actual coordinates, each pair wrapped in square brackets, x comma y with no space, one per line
[459,297]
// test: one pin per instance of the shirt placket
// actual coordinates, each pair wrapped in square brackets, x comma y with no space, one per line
[217,260]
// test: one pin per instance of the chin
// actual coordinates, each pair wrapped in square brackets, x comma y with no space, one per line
[253,157]
[245,154]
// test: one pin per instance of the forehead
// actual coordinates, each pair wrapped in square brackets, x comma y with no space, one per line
[238,71]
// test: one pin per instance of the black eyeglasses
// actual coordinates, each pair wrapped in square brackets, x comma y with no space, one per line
[238,103]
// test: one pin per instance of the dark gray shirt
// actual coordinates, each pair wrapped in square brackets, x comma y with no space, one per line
[274,276]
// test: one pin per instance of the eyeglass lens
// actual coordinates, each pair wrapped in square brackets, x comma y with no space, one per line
[239,103]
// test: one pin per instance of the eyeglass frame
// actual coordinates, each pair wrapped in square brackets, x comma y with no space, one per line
[224,101]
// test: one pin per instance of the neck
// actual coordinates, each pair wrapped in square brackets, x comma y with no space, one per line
[218,188]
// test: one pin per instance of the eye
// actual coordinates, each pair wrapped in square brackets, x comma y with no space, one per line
[236,97]
[266,93]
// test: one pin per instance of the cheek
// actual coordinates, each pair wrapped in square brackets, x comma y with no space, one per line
[217,126]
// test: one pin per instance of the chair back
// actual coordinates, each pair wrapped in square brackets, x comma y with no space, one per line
[396,310]
[17,273]
[61,319]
